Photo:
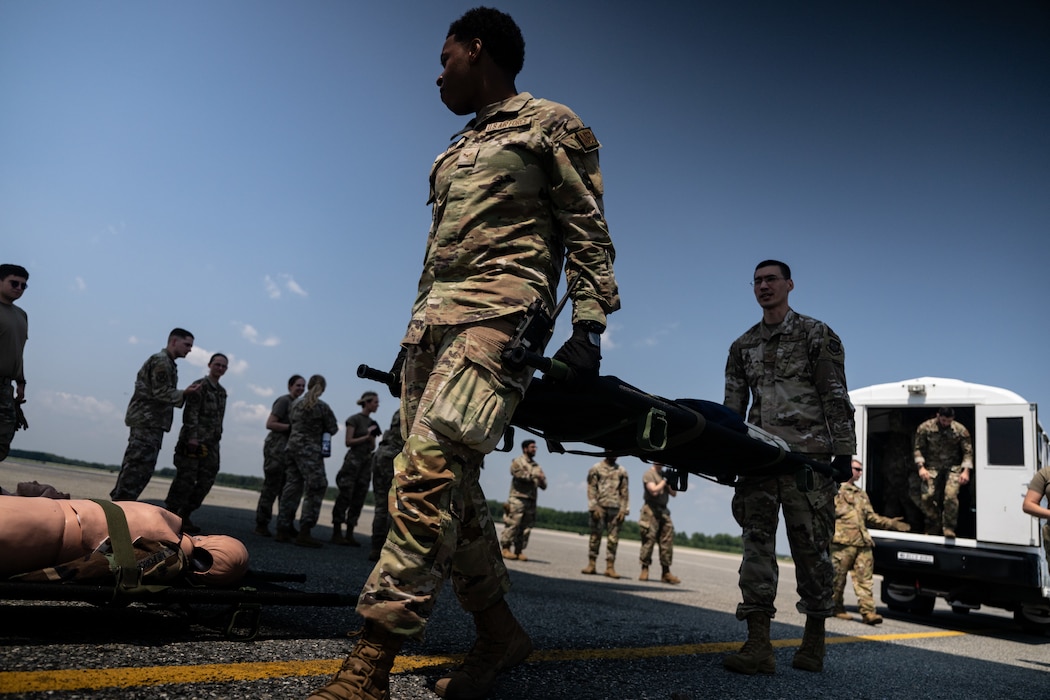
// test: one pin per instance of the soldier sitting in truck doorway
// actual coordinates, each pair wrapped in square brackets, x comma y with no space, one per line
[944,458]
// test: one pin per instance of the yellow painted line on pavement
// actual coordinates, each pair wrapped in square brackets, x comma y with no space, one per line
[131,677]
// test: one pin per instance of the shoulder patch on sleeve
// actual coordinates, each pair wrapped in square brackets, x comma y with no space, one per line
[587,139]
[834,346]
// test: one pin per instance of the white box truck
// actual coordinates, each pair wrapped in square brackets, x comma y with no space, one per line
[997,558]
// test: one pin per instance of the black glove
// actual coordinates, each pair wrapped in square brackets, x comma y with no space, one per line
[395,372]
[842,468]
[20,418]
[582,352]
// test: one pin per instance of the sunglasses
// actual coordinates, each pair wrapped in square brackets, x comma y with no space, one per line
[17,284]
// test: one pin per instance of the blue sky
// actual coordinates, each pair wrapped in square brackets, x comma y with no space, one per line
[256,171]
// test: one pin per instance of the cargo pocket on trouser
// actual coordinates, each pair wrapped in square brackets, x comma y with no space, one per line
[477,400]
[822,505]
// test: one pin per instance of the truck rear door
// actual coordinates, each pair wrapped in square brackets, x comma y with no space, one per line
[1004,456]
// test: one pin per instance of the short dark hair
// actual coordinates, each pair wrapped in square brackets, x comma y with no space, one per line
[499,35]
[526,443]
[946,411]
[7,269]
[179,333]
[218,354]
[294,378]
[784,269]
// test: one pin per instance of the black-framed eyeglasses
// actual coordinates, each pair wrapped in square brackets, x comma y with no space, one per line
[768,279]
[18,283]
[857,469]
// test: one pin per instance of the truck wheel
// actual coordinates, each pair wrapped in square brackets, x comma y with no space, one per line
[923,604]
[903,598]
[897,597]
[1034,620]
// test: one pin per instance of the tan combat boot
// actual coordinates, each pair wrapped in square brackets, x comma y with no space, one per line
[668,577]
[810,656]
[365,674]
[872,618]
[303,539]
[610,571]
[337,534]
[644,576]
[521,556]
[589,569]
[756,656]
[501,644]
[507,554]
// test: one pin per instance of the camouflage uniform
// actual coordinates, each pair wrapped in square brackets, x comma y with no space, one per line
[519,512]
[275,462]
[608,504]
[1041,484]
[382,478]
[305,465]
[655,523]
[355,474]
[149,415]
[946,452]
[794,375]
[14,331]
[851,548]
[201,421]
[518,190]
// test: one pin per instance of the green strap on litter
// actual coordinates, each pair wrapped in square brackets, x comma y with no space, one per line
[125,566]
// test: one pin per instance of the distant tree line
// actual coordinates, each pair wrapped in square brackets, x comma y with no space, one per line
[547,518]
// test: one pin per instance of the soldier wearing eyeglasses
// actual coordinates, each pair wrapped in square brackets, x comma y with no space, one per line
[14,330]
[790,368]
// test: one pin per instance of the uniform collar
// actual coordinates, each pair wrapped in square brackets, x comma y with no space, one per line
[511,105]
[784,326]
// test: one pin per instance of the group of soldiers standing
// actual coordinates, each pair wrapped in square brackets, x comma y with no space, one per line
[299,439]
[150,414]
[608,505]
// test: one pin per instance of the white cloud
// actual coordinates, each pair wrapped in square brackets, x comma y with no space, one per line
[273,287]
[133,340]
[237,366]
[244,412]
[657,337]
[262,391]
[292,285]
[86,407]
[78,284]
[249,333]
[199,357]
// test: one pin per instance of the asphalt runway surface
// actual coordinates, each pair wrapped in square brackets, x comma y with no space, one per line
[595,637]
